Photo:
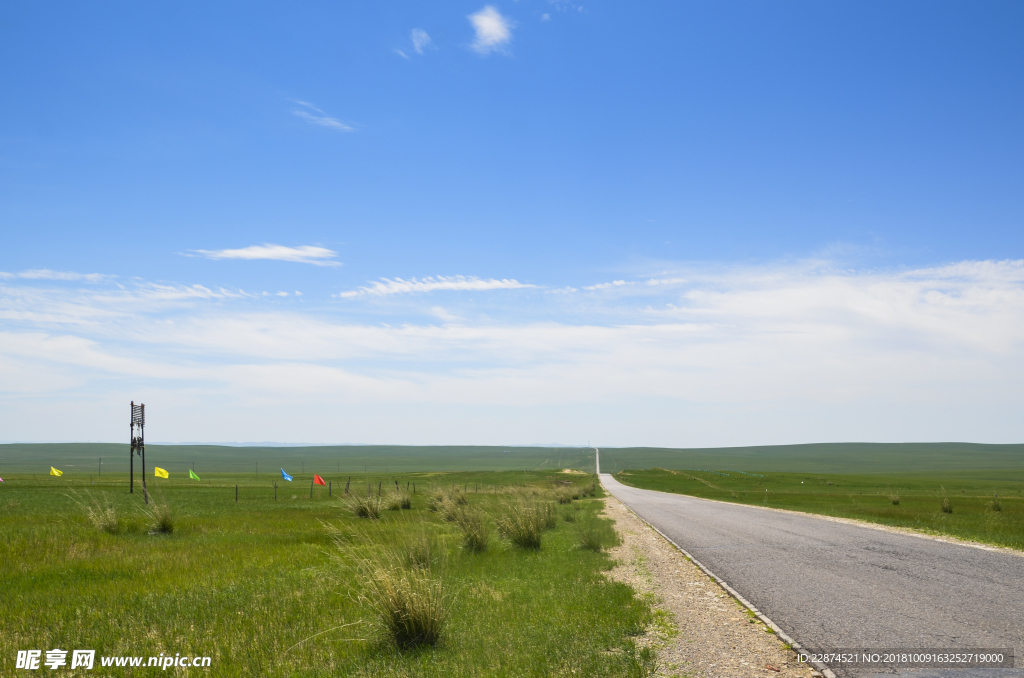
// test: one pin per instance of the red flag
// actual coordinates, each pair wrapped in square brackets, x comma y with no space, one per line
[318,480]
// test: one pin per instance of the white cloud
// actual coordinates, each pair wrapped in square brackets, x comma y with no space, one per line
[785,353]
[420,40]
[45,274]
[318,117]
[545,17]
[444,315]
[304,254]
[388,286]
[493,31]
[608,285]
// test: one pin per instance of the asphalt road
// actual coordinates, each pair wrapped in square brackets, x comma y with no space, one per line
[831,585]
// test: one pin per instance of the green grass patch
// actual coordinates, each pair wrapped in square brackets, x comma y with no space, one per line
[983,506]
[265,588]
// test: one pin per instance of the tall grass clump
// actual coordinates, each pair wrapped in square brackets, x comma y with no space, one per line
[162,518]
[946,506]
[474,530]
[102,515]
[596,535]
[411,606]
[894,497]
[398,499]
[566,495]
[365,507]
[995,505]
[422,552]
[523,522]
[405,589]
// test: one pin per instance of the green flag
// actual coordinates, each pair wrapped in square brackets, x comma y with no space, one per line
[192,475]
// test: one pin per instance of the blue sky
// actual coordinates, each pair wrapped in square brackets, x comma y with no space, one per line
[664,224]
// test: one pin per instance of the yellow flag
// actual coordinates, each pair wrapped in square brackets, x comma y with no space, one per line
[55,472]
[160,473]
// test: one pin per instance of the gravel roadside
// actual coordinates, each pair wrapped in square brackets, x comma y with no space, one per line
[701,631]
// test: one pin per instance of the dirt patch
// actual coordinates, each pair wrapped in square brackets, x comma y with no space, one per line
[700,630]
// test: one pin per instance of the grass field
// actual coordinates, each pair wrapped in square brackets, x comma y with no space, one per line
[84,458]
[970,497]
[278,588]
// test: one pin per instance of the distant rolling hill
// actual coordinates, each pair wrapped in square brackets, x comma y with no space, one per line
[84,458]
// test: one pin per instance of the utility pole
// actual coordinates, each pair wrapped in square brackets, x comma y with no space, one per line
[597,460]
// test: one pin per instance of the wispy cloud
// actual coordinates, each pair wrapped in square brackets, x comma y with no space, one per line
[388,286]
[493,31]
[315,116]
[45,274]
[609,285]
[420,40]
[792,352]
[304,254]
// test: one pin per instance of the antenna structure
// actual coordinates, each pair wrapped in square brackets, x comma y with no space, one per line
[138,447]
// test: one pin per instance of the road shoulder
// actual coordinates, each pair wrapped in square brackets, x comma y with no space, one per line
[701,630]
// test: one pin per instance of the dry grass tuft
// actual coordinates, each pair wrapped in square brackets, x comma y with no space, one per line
[365,507]
[474,530]
[405,588]
[525,520]
[101,514]
[398,499]
[162,518]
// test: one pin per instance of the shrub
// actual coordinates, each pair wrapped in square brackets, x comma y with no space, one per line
[946,506]
[995,505]
[596,535]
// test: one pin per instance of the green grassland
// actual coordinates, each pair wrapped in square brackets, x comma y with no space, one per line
[84,458]
[273,588]
[971,496]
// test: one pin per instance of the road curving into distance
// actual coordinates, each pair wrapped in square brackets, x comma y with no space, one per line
[832,585]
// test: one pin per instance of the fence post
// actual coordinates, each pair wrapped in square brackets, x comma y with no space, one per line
[379,483]
[310,489]
[275,490]
[330,488]
[236,494]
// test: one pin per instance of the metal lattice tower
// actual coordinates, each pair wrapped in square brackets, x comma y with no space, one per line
[138,447]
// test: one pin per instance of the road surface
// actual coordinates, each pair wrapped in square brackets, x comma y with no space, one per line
[832,585]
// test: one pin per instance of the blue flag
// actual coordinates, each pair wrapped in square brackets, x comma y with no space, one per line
[285,475]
